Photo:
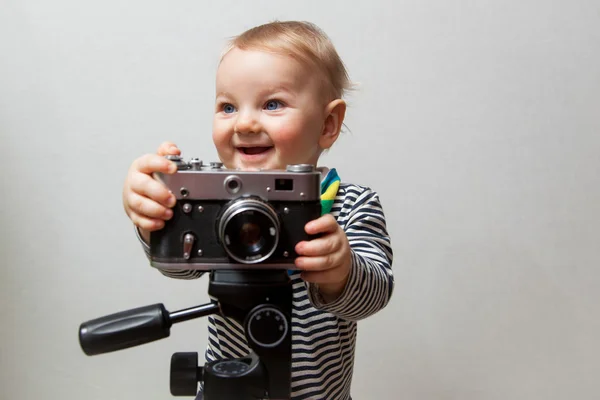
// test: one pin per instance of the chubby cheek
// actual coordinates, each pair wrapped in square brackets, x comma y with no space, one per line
[222,140]
[292,136]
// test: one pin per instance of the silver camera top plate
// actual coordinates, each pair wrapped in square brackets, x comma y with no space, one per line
[195,180]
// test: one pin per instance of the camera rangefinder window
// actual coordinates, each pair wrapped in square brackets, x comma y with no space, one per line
[233,184]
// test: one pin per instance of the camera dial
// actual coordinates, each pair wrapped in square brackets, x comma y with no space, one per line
[300,168]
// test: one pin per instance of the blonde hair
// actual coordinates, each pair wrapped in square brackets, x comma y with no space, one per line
[302,41]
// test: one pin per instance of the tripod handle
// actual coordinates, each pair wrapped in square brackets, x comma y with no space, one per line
[125,329]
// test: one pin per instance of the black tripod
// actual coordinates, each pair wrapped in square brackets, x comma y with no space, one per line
[260,300]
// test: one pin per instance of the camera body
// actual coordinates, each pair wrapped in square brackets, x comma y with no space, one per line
[234,219]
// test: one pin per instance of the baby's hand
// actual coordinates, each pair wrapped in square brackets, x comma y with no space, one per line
[326,260]
[147,202]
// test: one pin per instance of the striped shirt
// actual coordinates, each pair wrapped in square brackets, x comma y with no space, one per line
[324,334]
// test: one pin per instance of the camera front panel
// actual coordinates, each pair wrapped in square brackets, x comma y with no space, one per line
[191,239]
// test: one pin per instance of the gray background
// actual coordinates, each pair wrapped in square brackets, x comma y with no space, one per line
[477,122]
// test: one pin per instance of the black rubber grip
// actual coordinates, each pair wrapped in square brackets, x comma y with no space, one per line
[124,329]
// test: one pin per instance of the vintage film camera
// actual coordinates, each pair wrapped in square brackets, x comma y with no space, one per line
[241,227]
[232,219]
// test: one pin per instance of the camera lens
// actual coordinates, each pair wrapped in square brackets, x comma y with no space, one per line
[250,234]
[249,230]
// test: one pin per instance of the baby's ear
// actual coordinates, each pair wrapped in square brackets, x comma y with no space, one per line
[335,112]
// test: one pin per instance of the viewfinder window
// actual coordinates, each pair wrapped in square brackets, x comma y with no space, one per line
[284,185]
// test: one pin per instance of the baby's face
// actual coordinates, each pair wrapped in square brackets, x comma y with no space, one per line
[269,111]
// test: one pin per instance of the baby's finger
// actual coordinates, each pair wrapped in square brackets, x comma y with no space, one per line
[320,263]
[145,186]
[323,224]
[318,247]
[154,163]
[145,223]
[168,148]
[148,208]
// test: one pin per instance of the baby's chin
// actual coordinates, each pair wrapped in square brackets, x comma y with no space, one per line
[270,163]
[267,165]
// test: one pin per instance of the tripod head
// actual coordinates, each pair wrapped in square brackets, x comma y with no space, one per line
[259,300]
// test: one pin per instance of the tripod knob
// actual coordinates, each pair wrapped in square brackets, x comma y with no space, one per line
[185,374]
[267,326]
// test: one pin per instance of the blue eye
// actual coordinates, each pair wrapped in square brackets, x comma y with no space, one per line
[273,105]
[228,108]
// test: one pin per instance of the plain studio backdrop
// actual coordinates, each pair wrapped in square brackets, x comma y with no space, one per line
[477,122]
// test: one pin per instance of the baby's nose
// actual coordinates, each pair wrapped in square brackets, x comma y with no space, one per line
[247,122]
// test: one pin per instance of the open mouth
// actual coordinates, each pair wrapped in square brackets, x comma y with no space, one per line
[255,150]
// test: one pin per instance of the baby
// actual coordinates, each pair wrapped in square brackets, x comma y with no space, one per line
[279,90]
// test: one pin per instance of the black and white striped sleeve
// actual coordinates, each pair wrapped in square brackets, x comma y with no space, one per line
[371,281]
[177,274]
